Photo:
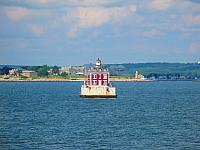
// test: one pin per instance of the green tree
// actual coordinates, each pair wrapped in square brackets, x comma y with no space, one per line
[55,69]
[43,71]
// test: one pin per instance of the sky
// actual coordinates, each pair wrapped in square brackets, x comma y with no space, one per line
[76,32]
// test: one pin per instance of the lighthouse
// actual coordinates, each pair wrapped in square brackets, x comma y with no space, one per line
[98,83]
[98,63]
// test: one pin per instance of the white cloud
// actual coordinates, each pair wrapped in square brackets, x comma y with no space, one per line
[91,2]
[164,5]
[80,3]
[72,31]
[189,5]
[152,33]
[192,19]
[62,3]
[194,48]
[36,29]
[87,17]
[160,4]
[95,17]
[16,13]
[85,14]
[39,1]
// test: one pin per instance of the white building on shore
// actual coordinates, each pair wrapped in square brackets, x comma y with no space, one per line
[72,70]
[29,74]
[13,72]
[138,76]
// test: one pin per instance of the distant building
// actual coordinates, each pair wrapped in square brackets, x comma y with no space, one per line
[14,72]
[138,76]
[198,62]
[72,70]
[50,72]
[29,74]
[66,69]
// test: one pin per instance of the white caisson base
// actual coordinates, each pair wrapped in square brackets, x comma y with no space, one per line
[94,91]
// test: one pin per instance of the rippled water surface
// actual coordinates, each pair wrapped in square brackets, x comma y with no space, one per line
[50,115]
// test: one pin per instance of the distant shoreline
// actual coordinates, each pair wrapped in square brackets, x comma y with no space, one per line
[82,80]
[73,80]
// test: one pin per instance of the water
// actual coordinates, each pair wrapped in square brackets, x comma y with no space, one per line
[50,115]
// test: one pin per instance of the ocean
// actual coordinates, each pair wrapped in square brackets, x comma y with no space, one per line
[146,115]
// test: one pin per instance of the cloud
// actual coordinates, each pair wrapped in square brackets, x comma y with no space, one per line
[96,17]
[164,5]
[84,14]
[91,2]
[35,4]
[36,29]
[88,17]
[39,1]
[152,33]
[160,4]
[192,19]
[178,15]
[16,13]
[72,31]
[194,48]
[185,23]
[192,6]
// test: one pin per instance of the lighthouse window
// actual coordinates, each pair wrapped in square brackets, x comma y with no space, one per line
[94,76]
[94,82]
[105,76]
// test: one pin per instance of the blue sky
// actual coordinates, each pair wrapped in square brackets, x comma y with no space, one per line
[75,32]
